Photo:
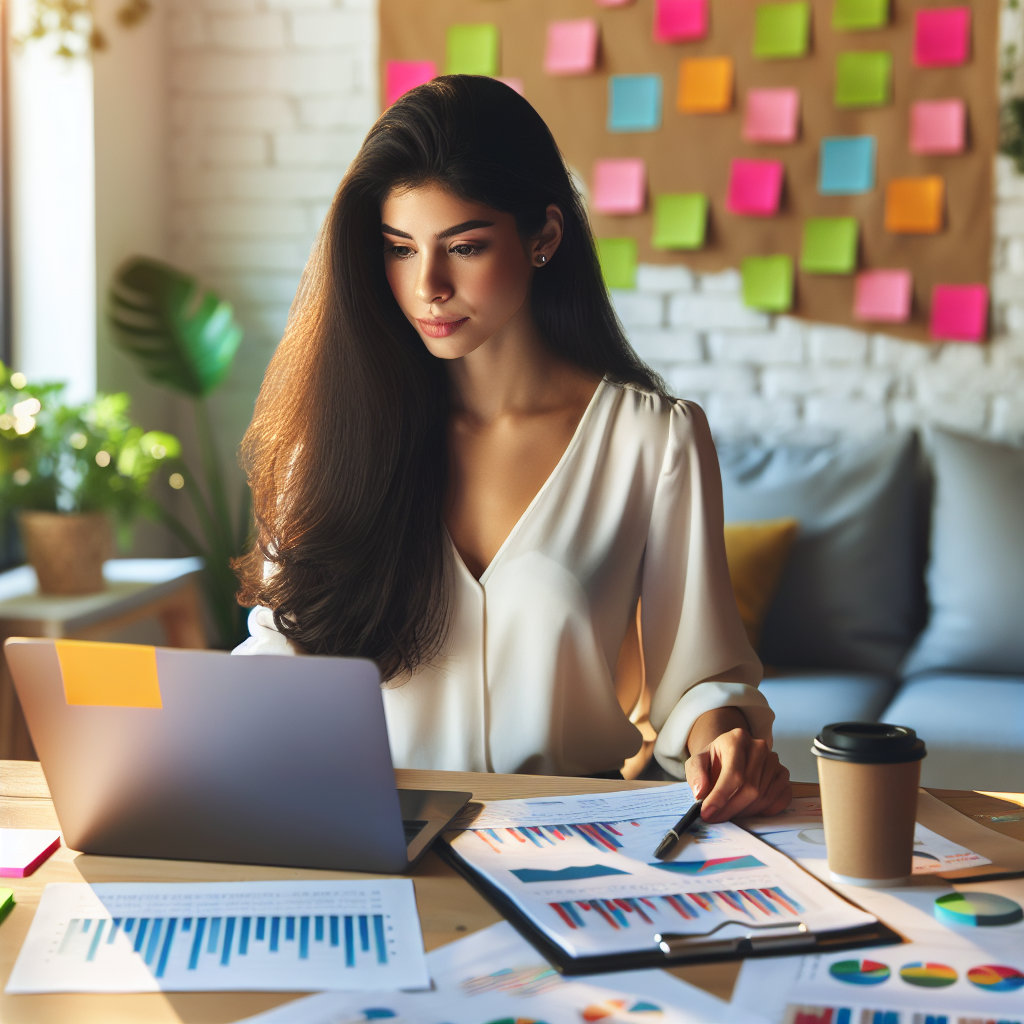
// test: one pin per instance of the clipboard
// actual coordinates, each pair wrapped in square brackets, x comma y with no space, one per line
[687,951]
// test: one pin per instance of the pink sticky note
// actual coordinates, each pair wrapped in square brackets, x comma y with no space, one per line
[755,187]
[403,75]
[514,83]
[772,115]
[22,850]
[882,296]
[937,126]
[620,186]
[959,312]
[942,36]
[572,47]
[679,21]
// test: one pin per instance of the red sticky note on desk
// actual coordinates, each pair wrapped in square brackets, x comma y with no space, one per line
[679,21]
[959,312]
[942,37]
[571,47]
[22,850]
[403,75]
[755,187]
[620,186]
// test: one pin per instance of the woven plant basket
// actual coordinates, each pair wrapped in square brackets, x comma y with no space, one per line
[67,549]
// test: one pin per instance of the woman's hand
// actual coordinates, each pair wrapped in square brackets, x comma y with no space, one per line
[731,771]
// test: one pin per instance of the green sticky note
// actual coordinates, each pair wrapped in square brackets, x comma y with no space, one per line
[680,221]
[782,30]
[829,245]
[6,902]
[618,258]
[472,50]
[863,79]
[852,15]
[768,283]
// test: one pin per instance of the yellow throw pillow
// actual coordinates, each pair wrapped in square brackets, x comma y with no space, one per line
[757,554]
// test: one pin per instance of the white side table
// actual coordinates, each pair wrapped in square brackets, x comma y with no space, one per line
[137,588]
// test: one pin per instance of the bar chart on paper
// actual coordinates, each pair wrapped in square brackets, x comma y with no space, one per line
[797,1014]
[256,935]
[746,905]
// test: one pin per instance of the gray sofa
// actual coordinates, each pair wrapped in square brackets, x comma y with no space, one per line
[903,597]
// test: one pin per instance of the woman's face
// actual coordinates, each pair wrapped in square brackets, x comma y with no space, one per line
[459,270]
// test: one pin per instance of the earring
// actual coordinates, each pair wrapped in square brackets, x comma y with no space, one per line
[543,259]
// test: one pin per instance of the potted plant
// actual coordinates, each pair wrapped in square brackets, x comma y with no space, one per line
[185,337]
[72,472]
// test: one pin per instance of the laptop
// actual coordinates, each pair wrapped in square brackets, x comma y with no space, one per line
[198,755]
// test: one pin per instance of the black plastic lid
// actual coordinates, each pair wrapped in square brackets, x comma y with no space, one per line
[868,743]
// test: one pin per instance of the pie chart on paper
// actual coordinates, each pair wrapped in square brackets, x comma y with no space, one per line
[995,978]
[977,909]
[860,972]
[928,975]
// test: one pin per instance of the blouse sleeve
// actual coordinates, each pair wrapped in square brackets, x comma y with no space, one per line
[696,653]
[264,637]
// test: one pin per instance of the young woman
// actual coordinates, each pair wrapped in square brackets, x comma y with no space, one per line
[461,470]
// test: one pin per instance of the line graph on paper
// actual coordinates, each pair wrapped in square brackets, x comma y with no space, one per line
[767,905]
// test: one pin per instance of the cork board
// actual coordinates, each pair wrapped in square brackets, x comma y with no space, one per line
[691,153]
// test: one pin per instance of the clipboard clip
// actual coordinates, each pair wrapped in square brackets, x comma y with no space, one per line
[788,935]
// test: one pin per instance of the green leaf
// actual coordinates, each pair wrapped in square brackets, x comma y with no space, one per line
[181,336]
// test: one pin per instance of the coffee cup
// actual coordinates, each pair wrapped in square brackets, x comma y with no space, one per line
[869,775]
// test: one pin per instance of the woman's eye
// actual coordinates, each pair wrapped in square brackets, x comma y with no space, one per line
[466,249]
[400,251]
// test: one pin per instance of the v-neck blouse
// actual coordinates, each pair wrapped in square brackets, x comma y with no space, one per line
[526,680]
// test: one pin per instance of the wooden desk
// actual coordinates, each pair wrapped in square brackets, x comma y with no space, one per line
[164,589]
[449,907]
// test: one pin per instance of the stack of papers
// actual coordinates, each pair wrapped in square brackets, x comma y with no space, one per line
[799,832]
[495,975]
[582,869]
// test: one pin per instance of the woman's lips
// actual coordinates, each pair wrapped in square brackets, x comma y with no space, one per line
[440,328]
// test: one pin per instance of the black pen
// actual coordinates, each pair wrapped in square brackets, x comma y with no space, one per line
[672,836]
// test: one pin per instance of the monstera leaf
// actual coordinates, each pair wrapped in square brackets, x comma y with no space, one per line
[185,338]
[182,336]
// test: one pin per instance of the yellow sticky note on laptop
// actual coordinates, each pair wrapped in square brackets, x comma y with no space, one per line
[109,675]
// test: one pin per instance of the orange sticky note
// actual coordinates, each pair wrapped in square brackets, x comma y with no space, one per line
[913,206]
[705,85]
[109,675]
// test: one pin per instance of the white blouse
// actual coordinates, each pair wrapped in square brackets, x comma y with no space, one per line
[525,683]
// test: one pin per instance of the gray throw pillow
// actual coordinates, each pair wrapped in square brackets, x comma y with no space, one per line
[850,596]
[976,571]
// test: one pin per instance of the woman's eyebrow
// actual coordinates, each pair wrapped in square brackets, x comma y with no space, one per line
[465,226]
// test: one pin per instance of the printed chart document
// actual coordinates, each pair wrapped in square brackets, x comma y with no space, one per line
[223,936]
[945,974]
[582,869]
[799,832]
[495,975]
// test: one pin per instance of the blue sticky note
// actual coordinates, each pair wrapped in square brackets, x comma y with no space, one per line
[634,103]
[847,166]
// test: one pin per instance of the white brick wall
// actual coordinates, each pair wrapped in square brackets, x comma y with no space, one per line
[270,100]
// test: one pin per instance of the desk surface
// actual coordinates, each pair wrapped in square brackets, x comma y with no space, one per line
[449,907]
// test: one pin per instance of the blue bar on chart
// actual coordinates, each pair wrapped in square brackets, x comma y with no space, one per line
[223,937]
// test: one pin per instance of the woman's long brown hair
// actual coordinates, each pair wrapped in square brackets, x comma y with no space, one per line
[347,451]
